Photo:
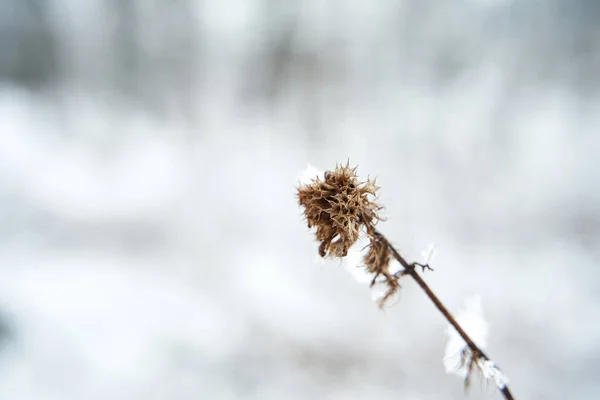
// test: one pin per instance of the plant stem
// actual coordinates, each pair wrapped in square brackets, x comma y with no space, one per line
[410,270]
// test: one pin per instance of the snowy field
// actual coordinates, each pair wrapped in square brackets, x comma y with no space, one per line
[151,246]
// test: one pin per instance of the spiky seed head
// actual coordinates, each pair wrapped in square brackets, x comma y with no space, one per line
[337,206]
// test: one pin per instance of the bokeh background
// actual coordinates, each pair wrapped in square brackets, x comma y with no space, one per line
[150,242]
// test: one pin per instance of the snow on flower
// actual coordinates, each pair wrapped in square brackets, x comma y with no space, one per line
[354,264]
[309,173]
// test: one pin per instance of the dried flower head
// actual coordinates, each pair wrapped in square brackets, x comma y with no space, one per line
[337,206]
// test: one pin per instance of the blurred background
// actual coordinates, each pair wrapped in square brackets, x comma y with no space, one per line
[151,246]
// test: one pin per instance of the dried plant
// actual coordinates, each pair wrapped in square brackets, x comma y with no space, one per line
[340,208]
[337,207]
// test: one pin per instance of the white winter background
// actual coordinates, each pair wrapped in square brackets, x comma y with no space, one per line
[151,246]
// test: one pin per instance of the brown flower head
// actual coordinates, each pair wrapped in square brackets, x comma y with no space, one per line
[337,207]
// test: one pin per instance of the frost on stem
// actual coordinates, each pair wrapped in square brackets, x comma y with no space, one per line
[459,358]
[429,254]
[490,370]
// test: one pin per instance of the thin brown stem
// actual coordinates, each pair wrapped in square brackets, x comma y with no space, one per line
[410,270]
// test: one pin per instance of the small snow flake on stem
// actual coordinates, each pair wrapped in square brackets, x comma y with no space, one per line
[429,254]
